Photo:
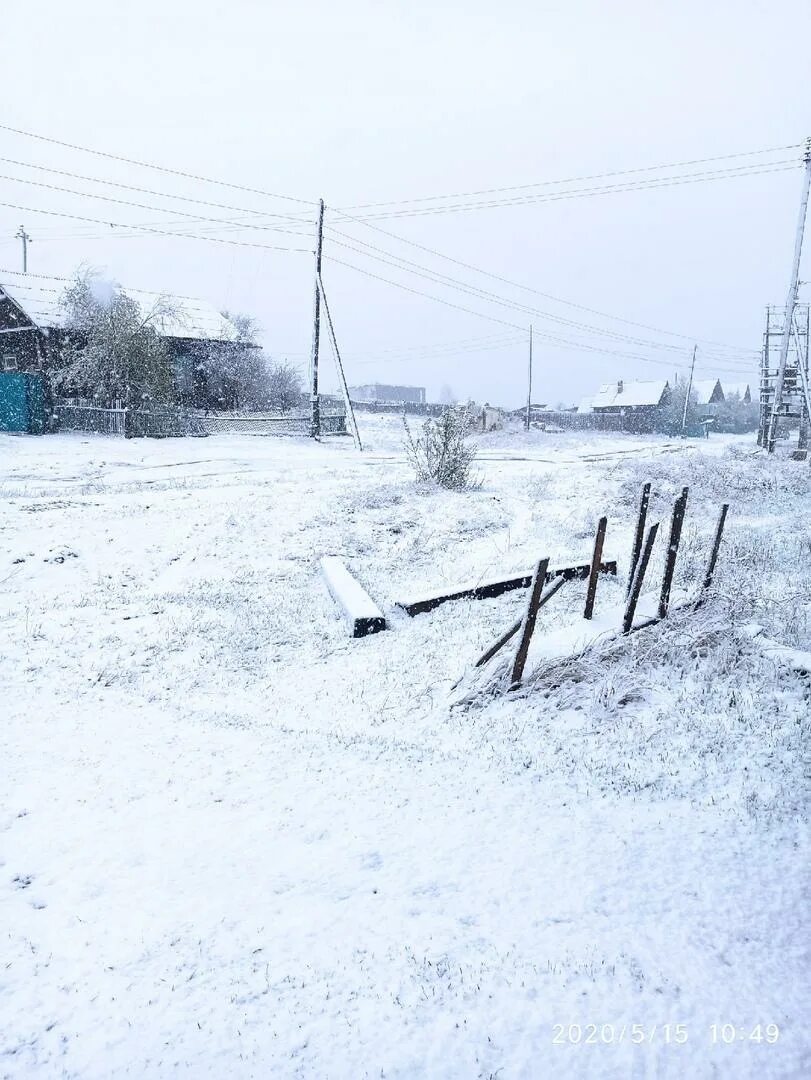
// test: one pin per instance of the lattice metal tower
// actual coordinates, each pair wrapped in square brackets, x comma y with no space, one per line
[793,410]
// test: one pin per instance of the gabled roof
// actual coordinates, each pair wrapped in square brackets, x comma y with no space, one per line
[741,389]
[622,394]
[703,390]
[40,298]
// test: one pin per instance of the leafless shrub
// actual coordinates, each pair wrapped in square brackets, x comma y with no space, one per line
[442,454]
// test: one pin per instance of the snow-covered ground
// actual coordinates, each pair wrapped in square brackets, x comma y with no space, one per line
[236,843]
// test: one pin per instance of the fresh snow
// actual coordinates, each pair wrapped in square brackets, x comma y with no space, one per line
[236,843]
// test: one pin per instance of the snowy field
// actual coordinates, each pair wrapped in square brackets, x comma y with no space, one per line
[236,843]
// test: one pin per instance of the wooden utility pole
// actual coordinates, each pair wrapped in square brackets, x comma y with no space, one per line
[315,410]
[689,389]
[529,384]
[791,302]
[22,235]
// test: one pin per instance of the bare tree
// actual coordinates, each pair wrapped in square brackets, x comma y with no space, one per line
[285,386]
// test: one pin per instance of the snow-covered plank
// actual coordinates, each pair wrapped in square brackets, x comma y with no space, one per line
[361,612]
[482,590]
[797,659]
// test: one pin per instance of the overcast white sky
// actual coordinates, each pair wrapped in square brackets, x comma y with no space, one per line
[363,102]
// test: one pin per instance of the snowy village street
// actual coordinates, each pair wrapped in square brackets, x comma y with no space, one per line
[236,843]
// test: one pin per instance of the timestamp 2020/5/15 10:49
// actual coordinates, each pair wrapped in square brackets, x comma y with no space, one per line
[677,1034]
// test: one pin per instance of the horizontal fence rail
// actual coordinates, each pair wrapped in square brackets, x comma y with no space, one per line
[160,422]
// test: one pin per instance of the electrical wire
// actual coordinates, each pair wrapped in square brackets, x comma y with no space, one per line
[578,179]
[561,342]
[586,193]
[528,288]
[495,298]
[128,202]
[155,167]
[151,191]
[157,232]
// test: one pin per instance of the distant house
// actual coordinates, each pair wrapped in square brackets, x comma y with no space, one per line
[32,327]
[740,390]
[620,398]
[707,392]
[373,392]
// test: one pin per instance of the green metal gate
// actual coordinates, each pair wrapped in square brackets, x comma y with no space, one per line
[22,403]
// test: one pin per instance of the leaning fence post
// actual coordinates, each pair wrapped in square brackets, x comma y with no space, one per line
[594,572]
[528,624]
[639,534]
[716,545]
[639,577]
[676,522]
[547,594]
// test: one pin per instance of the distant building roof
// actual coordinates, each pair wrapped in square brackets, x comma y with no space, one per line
[585,405]
[622,394]
[41,299]
[742,389]
[706,391]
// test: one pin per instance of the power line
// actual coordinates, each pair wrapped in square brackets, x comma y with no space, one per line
[151,191]
[156,168]
[561,342]
[128,202]
[424,272]
[585,193]
[157,232]
[537,292]
[577,179]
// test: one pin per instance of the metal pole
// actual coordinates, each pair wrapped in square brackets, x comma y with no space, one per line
[529,384]
[791,300]
[315,411]
[689,389]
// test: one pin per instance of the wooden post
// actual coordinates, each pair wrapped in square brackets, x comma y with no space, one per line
[528,622]
[315,409]
[547,594]
[676,523]
[350,412]
[594,573]
[639,577]
[639,534]
[716,545]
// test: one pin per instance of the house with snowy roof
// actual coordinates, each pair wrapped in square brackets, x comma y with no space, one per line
[706,392]
[33,326]
[638,404]
[622,397]
[741,390]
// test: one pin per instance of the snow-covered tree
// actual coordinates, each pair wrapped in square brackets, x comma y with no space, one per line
[112,351]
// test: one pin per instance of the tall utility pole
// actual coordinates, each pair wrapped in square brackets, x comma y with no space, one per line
[315,410]
[21,234]
[791,302]
[689,389]
[529,383]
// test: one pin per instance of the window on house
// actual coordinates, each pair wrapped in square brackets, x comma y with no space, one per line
[8,362]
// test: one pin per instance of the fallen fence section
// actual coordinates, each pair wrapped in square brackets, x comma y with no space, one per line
[483,590]
[573,640]
[361,612]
